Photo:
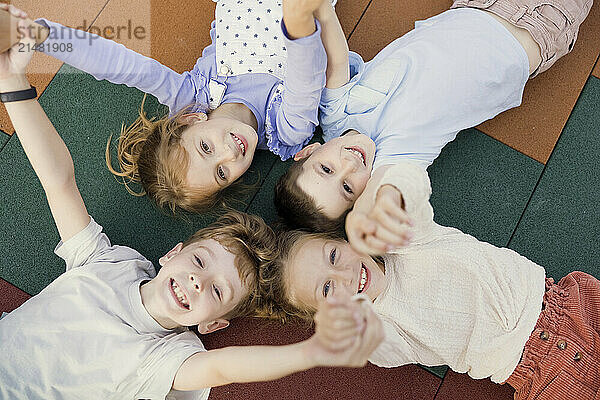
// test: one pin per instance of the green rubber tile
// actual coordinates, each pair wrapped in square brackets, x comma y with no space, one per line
[439,371]
[85,112]
[4,138]
[262,204]
[482,186]
[560,229]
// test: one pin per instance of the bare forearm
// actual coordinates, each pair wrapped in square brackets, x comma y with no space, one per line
[241,365]
[336,46]
[45,149]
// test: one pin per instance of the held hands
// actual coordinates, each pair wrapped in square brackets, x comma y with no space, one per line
[380,227]
[346,333]
[14,61]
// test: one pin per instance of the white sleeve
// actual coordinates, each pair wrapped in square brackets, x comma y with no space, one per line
[84,246]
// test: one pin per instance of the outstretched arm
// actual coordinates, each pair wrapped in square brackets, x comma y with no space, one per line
[46,151]
[336,46]
[346,335]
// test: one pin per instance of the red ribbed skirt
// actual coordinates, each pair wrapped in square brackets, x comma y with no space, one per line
[561,359]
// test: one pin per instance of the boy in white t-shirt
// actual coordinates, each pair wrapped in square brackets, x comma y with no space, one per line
[111,328]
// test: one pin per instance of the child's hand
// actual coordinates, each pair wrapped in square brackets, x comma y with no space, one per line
[302,7]
[382,227]
[346,333]
[14,61]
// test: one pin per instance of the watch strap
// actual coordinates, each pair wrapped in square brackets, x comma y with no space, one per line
[19,95]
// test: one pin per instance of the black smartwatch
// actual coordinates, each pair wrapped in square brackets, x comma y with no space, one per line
[19,95]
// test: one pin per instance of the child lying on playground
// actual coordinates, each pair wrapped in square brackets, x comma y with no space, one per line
[111,327]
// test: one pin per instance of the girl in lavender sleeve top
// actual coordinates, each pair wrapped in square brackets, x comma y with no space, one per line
[252,88]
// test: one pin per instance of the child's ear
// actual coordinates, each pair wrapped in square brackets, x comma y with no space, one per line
[170,254]
[213,326]
[193,117]
[306,152]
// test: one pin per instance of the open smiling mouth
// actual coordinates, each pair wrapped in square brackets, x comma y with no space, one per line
[358,152]
[179,295]
[241,144]
[364,278]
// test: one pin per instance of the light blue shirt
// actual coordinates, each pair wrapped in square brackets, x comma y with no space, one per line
[286,121]
[452,72]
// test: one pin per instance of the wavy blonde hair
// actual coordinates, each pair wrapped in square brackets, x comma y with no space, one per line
[149,153]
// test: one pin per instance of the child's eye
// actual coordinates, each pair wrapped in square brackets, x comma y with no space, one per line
[205,146]
[326,288]
[217,292]
[325,169]
[221,173]
[347,188]
[199,262]
[332,256]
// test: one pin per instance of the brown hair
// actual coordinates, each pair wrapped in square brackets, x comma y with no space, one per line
[252,242]
[298,209]
[274,287]
[149,153]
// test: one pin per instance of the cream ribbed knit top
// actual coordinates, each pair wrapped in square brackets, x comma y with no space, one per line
[452,299]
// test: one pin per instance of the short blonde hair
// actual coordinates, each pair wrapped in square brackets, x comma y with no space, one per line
[150,153]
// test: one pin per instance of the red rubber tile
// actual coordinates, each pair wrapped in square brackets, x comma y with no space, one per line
[12,297]
[534,127]
[461,386]
[41,70]
[408,382]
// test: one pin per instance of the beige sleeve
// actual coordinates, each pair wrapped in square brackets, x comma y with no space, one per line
[413,182]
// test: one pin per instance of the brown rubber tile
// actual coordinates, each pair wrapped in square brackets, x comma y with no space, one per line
[461,386]
[42,68]
[596,71]
[12,297]
[408,382]
[349,12]
[534,127]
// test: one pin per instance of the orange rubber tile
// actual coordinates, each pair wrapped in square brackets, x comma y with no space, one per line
[535,126]
[596,71]
[42,68]
[349,12]
[12,297]
[461,386]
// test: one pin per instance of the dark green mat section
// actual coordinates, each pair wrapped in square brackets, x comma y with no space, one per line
[560,229]
[481,186]
[84,112]
[4,138]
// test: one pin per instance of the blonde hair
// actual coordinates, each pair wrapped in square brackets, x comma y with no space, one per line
[150,153]
[252,242]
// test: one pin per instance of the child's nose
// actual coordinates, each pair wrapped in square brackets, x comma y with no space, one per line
[196,283]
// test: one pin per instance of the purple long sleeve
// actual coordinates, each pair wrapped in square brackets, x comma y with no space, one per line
[105,59]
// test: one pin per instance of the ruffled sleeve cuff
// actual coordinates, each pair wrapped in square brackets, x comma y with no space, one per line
[274,143]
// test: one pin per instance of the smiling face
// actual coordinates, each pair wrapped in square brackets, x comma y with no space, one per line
[197,285]
[336,173]
[318,268]
[219,149]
